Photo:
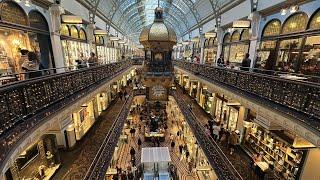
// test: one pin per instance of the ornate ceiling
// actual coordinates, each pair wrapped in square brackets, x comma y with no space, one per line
[132,15]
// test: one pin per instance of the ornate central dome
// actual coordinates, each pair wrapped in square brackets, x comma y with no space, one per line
[158,35]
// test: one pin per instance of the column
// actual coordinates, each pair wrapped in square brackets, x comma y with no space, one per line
[91,39]
[202,39]
[71,136]
[220,34]
[198,92]
[255,26]
[55,19]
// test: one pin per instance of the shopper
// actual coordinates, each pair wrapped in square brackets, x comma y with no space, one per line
[139,142]
[132,152]
[172,145]
[216,132]
[92,61]
[220,61]
[120,95]
[246,62]
[180,148]
[232,141]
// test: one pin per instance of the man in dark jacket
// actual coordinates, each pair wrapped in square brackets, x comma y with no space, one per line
[246,62]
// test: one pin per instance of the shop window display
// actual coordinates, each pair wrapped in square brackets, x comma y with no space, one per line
[210,51]
[239,47]
[276,148]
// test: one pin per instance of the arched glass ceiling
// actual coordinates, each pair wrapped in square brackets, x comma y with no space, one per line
[132,15]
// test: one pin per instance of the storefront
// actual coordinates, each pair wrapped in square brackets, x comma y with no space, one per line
[84,118]
[74,44]
[210,51]
[196,49]
[39,161]
[296,44]
[20,34]
[236,46]
[102,50]
[280,150]
[206,100]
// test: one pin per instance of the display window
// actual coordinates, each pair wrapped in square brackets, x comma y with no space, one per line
[210,51]
[239,47]
[295,45]
[233,118]
[15,44]
[74,44]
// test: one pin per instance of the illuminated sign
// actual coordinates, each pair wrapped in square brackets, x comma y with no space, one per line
[241,24]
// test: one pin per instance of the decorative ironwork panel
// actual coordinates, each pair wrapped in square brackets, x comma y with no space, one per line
[300,100]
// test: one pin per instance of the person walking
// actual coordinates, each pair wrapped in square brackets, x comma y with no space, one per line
[132,152]
[232,141]
[172,145]
[180,148]
[139,142]
[246,62]
[120,95]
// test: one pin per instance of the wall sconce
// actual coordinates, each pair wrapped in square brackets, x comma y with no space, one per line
[283,12]
[294,8]
[27,3]
[194,86]
[114,86]
[101,97]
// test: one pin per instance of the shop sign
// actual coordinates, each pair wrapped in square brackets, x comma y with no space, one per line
[100,32]
[241,24]
[210,35]
[71,19]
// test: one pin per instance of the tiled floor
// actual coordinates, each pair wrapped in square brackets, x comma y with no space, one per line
[180,163]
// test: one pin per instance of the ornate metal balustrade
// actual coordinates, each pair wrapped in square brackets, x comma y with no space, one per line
[219,162]
[100,164]
[298,99]
[25,104]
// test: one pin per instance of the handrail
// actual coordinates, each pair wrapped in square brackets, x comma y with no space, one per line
[102,159]
[306,77]
[220,163]
[25,104]
[298,99]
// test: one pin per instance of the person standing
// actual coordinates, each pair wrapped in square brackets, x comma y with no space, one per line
[132,152]
[232,140]
[92,59]
[220,61]
[180,148]
[120,95]
[172,145]
[246,62]
[139,142]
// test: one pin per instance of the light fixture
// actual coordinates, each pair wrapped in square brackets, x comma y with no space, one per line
[18,1]
[194,86]
[318,20]
[101,97]
[27,3]
[294,8]
[114,86]
[283,11]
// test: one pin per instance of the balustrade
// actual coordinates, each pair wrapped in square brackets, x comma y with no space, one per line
[298,99]
[25,104]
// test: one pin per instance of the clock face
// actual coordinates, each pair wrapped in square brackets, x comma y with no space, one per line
[158,90]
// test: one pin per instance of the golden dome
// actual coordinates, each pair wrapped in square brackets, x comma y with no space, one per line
[158,34]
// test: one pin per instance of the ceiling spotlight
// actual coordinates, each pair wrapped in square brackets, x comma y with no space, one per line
[283,12]
[294,8]
[27,3]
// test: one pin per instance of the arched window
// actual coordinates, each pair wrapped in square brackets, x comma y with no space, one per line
[37,20]
[11,12]
[295,23]
[74,32]
[235,36]
[315,21]
[64,31]
[272,28]
[227,38]
[245,35]
[82,34]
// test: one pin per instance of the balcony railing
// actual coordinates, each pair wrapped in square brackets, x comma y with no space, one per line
[295,98]
[25,104]
[99,166]
[220,163]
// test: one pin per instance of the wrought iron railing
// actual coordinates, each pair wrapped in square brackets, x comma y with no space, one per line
[99,166]
[219,162]
[297,99]
[25,104]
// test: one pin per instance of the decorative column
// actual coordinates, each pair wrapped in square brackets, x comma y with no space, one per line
[91,39]
[55,19]
[255,26]
[213,104]
[202,39]
[198,91]
[220,34]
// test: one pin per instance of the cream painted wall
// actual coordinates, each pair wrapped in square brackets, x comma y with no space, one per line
[75,8]
[312,165]
[238,12]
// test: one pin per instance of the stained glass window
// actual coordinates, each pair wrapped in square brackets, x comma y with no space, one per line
[226,38]
[235,36]
[82,34]
[295,23]
[272,28]
[315,21]
[64,31]
[74,32]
